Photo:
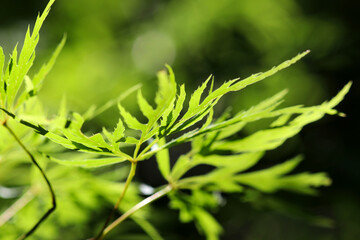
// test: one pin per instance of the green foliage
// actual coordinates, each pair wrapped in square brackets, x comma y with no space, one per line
[168,124]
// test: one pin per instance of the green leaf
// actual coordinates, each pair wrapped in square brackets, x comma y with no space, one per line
[10,77]
[145,107]
[207,224]
[163,160]
[272,138]
[233,125]
[178,106]
[21,66]
[182,165]
[34,86]
[164,100]
[131,121]
[225,166]
[2,80]
[192,209]
[260,76]
[195,99]
[196,109]
[340,96]
[74,134]
[117,135]
[118,131]
[167,89]
[272,179]
[282,120]
[232,163]
[304,182]
[46,68]
[61,140]
[222,177]
[260,141]
[89,163]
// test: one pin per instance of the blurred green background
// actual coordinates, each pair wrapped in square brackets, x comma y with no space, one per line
[113,45]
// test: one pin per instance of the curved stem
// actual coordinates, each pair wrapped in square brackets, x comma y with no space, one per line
[116,206]
[52,193]
[138,206]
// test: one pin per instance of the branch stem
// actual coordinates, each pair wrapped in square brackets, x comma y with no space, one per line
[134,209]
[116,206]
[51,190]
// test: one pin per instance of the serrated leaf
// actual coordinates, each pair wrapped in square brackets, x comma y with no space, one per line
[271,138]
[118,131]
[268,180]
[98,139]
[260,76]
[195,98]
[167,88]
[235,124]
[61,140]
[164,100]
[131,121]
[40,75]
[21,66]
[179,105]
[11,76]
[145,107]
[74,134]
[234,85]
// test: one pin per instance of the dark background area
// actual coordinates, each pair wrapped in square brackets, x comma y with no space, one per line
[228,39]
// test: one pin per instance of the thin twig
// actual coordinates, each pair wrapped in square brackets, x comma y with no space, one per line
[116,206]
[52,193]
[138,206]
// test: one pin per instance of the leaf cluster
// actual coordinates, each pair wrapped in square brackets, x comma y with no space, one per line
[168,123]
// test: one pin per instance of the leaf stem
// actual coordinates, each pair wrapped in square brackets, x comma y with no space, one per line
[116,206]
[147,148]
[52,193]
[137,148]
[138,206]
